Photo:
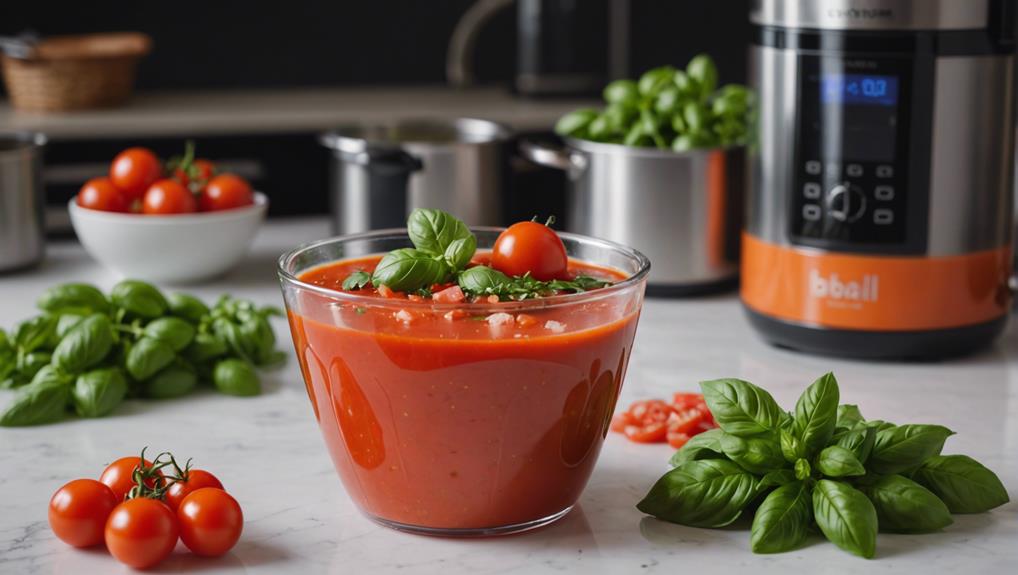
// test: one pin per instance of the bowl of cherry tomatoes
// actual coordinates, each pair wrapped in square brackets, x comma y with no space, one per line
[180,221]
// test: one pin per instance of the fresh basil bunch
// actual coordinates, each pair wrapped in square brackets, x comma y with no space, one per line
[668,108]
[823,466]
[87,352]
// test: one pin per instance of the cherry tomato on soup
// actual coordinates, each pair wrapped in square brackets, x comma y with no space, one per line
[168,197]
[225,192]
[141,532]
[78,512]
[134,170]
[101,194]
[530,247]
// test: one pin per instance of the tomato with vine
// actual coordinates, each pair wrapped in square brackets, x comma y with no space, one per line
[211,522]
[530,247]
[101,194]
[119,475]
[189,481]
[141,532]
[168,197]
[195,175]
[78,512]
[134,170]
[226,192]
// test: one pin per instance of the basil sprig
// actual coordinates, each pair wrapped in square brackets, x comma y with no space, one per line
[824,467]
[87,352]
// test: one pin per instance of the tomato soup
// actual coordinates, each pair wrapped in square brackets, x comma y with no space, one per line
[463,417]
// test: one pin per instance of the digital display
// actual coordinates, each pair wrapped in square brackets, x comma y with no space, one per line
[859,89]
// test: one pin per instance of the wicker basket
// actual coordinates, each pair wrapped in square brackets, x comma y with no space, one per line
[75,72]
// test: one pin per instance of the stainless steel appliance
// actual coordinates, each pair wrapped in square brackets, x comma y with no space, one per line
[683,210]
[22,240]
[879,220]
[381,172]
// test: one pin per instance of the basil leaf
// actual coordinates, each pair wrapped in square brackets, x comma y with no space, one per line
[205,346]
[357,280]
[76,298]
[741,408]
[175,332]
[86,345]
[849,416]
[34,333]
[846,517]
[432,231]
[236,377]
[791,448]
[904,506]
[706,445]
[707,493]
[859,442]
[460,251]
[702,70]
[408,269]
[754,454]
[622,92]
[67,322]
[98,392]
[654,80]
[229,332]
[258,337]
[783,519]
[836,461]
[29,364]
[139,298]
[900,448]
[42,401]
[816,413]
[147,357]
[187,307]
[483,280]
[802,469]
[777,478]
[964,484]
[174,381]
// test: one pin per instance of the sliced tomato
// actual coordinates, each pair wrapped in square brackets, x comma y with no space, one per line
[649,433]
[677,439]
[621,421]
[650,410]
[686,421]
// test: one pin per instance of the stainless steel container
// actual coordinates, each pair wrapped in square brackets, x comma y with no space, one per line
[381,172]
[22,237]
[683,210]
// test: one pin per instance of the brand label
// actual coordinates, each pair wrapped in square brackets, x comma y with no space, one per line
[833,287]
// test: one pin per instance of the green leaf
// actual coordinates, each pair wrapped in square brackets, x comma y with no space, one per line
[433,231]
[816,413]
[964,484]
[174,381]
[623,92]
[79,298]
[236,377]
[173,331]
[859,442]
[66,323]
[757,455]
[836,461]
[43,401]
[706,493]
[357,280]
[139,298]
[28,364]
[904,506]
[147,357]
[900,448]
[777,478]
[791,448]
[187,307]
[741,408]
[849,416]
[706,445]
[574,123]
[84,346]
[34,333]
[408,269]
[802,469]
[702,70]
[460,251]
[783,519]
[483,280]
[846,517]
[98,392]
[205,346]
[654,80]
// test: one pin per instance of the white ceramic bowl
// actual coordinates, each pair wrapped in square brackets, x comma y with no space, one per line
[172,249]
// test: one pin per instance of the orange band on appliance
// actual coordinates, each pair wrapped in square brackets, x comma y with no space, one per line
[874,293]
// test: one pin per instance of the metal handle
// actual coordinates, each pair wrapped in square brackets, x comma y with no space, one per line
[553,157]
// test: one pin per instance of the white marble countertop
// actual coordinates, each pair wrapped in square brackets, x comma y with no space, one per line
[268,452]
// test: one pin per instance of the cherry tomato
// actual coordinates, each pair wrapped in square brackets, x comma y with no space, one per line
[118,476]
[134,170]
[225,192]
[141,532]
[101,194]
[168,197]
[194,480]
[78,512]
[210,522]
[530,247]
[200,173]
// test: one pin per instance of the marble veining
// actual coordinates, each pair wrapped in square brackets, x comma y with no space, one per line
[268,452]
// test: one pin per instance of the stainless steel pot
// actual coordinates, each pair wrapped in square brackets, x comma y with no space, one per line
[381,172]
[22,233]
[683,210]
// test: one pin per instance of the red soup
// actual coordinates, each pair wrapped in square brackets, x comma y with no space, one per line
[464,418]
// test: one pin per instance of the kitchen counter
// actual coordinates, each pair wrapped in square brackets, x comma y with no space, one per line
[269,454]
[196,114]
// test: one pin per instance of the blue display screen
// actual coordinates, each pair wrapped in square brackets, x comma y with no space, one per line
[859,89]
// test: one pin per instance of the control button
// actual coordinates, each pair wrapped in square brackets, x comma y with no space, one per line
[811,212]
[853,170]
[883,193]
[883,217]
[846,203]
[812,191]
[885,171]
[813,168]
